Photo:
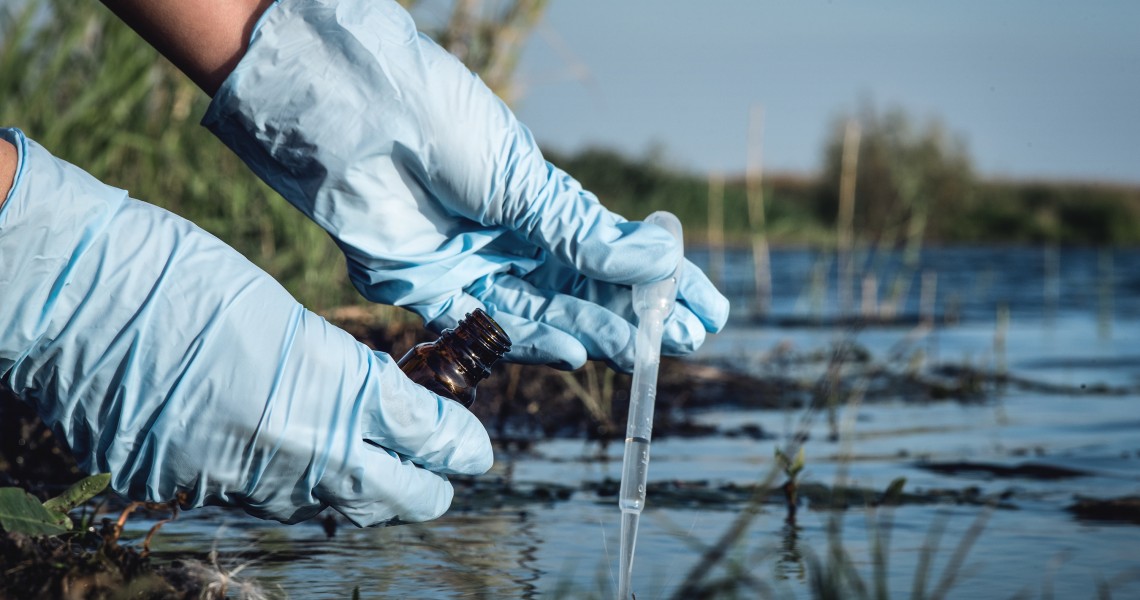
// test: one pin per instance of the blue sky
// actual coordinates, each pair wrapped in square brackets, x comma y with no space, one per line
[1038,88]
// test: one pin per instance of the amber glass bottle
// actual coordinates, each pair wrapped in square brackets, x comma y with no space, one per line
[455,363]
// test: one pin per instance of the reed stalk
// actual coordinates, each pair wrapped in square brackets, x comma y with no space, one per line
[869,305]
[716,228]
[1001,334]
[845,232]
[927,298]
[1052,285]
[1105,293]
[762,275]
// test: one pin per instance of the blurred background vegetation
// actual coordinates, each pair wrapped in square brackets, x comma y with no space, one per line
[86,87]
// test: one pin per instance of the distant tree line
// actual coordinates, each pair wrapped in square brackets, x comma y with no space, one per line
[912,181]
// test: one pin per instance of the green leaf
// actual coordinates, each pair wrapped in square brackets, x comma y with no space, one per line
[21,512]
[791,467]
[83,490]
[798,464]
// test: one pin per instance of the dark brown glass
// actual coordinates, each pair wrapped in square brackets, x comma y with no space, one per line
[455,363]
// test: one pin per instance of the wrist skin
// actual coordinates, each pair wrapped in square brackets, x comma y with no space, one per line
[7,169]
[205,39]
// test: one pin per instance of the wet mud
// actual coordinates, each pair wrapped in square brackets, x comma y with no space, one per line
[989,471]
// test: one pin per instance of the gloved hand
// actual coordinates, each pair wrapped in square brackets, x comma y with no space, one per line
[439,197]
[165,358]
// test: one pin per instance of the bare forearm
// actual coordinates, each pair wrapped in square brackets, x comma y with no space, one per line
[203,38]
[7,169]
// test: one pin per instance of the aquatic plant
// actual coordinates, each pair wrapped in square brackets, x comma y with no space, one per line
[45,554]
[791,468]
[20,512]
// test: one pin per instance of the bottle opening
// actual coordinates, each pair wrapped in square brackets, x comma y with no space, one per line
[477,342]
[486,331]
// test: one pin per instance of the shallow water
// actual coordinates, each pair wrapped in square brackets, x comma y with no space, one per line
[1062,331]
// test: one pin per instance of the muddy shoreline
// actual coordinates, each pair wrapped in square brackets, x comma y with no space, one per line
[522,405]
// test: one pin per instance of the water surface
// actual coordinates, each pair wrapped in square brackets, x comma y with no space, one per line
[1067,319]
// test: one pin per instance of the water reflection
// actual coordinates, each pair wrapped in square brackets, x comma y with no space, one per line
[1105,293]
[790,564]
[528,557]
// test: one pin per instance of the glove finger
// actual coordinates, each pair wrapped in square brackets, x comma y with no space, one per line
[707,305]
[603,334]
[532,342]
[699,295]
[604,322]
[684,329]
[572,225]
[433,432]
[374,485]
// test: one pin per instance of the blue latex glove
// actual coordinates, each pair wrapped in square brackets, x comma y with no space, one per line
[164,357]
[439,197]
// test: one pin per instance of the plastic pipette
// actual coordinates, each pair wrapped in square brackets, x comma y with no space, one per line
[652,302]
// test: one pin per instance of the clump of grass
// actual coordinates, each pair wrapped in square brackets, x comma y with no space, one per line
[87,88]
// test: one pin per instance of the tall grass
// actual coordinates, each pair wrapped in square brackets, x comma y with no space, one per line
[88,89]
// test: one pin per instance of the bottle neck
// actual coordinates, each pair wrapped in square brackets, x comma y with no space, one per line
[477,342]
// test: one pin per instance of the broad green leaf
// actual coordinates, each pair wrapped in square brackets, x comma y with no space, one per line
[83,490]
[21,512]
